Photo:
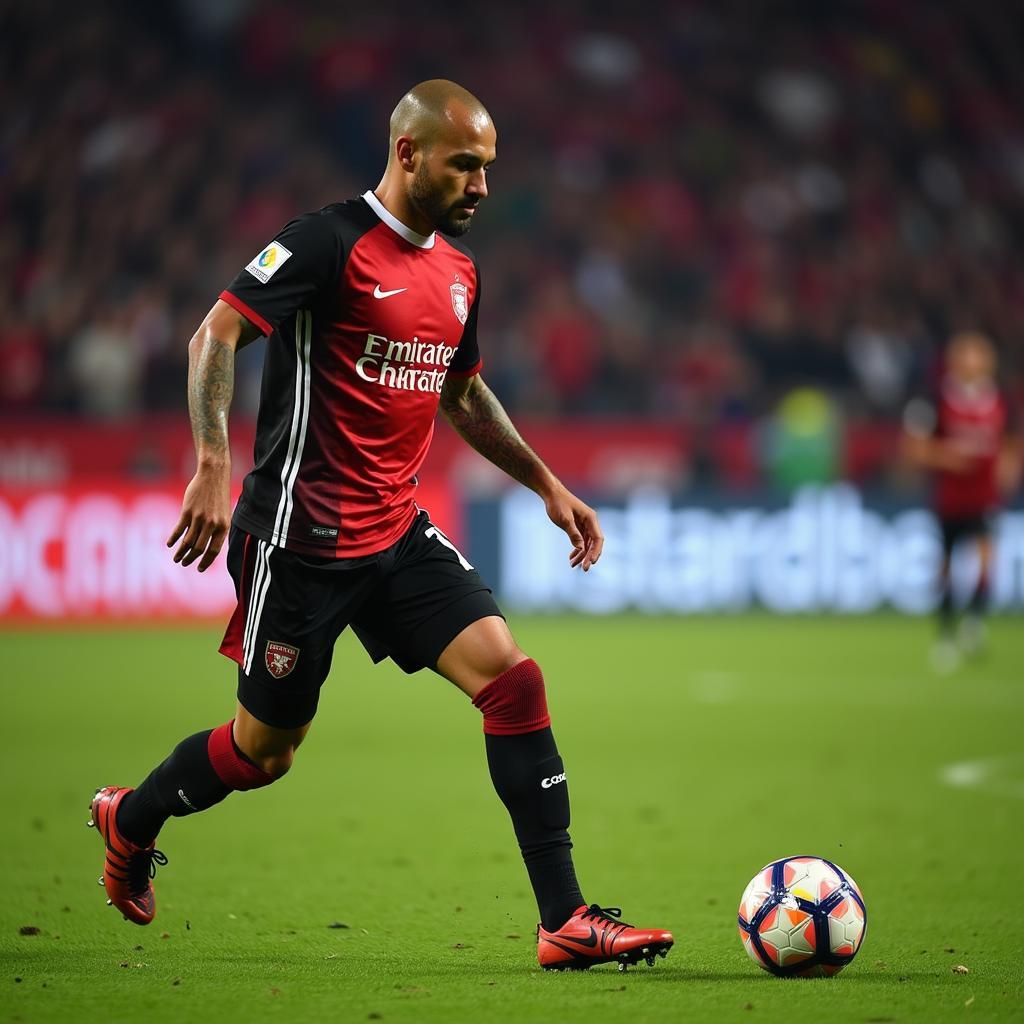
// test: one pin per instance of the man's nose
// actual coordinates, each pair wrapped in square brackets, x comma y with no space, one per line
[477,184]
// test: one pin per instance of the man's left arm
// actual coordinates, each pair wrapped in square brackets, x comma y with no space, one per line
[1010,461]
[470,407]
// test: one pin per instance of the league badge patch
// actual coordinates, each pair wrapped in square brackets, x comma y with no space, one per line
[267,264]
[280,658]
[460,301]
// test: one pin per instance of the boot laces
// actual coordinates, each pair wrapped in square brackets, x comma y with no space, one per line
[606,915]
[142,867]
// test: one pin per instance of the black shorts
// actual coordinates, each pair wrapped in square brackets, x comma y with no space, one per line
[964,528]
[406,603]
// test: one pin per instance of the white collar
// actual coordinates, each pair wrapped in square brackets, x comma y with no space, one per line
[414,237]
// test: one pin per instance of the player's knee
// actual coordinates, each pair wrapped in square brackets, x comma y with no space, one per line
[276,765]
[499,659]
[515,701]
[511,656]
[271,752]
[252,766]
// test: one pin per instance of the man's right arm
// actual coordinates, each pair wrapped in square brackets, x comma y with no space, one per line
[923,447]
[206,507]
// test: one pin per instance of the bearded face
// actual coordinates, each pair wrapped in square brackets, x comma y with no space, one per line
[449,209]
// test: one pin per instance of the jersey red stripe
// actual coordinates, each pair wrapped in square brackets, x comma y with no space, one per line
[248,312]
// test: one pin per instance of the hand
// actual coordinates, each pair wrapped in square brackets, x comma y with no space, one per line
[1009,471]
[580,522]
[205,517]
[953,457]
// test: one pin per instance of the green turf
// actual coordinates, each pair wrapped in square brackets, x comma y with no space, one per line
[697,750]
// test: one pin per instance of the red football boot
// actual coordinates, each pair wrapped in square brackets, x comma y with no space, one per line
[595,935]
[128,868]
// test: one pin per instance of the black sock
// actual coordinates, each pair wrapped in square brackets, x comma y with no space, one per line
[945,610]
[183,784]
[979,599]
[529,777]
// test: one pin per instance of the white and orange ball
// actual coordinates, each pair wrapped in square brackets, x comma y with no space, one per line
[802,916]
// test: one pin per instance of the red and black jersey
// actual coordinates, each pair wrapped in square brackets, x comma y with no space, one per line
[365,319]
[975,422]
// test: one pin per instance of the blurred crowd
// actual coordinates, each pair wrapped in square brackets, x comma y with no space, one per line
[693,211]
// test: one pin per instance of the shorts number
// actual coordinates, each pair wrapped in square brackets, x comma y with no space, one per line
[434,532]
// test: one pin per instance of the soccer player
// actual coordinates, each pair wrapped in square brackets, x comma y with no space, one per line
[963,439]
[370,308]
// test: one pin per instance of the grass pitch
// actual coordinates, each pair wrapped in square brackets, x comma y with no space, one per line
[380,880]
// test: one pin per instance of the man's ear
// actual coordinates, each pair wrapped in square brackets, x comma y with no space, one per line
[405,151]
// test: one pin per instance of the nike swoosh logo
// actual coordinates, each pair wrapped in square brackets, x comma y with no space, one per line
[378,294]
[588,943]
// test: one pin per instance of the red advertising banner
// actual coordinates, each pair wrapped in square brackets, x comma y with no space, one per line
[55,452]
[83,553]
[99,552]
[605,456]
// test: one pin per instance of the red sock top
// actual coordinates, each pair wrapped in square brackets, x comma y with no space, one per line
[232,769]
[515,702]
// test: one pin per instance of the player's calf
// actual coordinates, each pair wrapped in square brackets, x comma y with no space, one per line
[200,772]
[530,778]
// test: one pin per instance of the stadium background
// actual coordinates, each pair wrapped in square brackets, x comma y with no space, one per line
[723,247]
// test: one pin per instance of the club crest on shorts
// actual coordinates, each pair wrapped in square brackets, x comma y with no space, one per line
[280,658]
[460,300]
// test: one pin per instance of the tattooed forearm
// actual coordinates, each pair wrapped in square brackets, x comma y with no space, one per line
[211,383]
[480,419]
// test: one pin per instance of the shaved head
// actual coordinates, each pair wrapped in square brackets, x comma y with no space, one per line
[971,356]
[438,109]
[970,340]
[442,144]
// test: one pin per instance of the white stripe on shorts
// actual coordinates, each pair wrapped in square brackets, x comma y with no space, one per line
[261,584]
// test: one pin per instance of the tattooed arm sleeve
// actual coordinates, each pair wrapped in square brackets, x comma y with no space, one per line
[471,408]
[211,384]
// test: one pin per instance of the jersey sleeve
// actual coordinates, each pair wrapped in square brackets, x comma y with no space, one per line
[467,361]
[289,274]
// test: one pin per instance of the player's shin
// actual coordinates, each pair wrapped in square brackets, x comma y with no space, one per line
[199,773]
[944,609]
[980,597]
[530,779]
[972,628]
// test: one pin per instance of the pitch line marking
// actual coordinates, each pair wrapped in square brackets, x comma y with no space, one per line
[1003,776]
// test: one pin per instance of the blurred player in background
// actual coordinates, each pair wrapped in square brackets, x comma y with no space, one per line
[370,309]
[962,436]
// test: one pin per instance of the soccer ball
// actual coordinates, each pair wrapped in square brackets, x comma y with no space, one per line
[802,916]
